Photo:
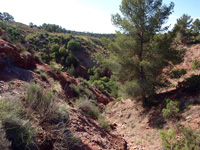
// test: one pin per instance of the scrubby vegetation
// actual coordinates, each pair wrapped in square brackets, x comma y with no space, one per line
[88,107]
[186,139]
[177,73]
[195,64]
[138,62]
[171,109]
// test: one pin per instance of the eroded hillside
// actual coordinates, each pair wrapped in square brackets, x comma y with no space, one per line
[55,95]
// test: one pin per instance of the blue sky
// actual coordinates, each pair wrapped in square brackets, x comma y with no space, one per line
[82,15]
[190,7]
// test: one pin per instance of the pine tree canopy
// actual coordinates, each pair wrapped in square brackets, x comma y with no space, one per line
[143,46]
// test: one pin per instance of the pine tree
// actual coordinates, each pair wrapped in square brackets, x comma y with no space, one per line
[196,26]
[183,28]
[141,51]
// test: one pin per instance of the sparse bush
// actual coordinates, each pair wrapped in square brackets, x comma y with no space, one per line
[171,109]
[177,73]
[187,139]
[89,108]
[59,131]
[10,108]
[64,139]
[82,90]
[18,131]
[40,99]
[195,64]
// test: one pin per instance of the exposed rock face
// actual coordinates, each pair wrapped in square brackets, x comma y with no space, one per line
[81,71]
[10,55]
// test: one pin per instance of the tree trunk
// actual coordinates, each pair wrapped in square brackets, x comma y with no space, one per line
[142,78]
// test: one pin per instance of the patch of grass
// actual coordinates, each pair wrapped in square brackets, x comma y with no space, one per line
[42,74]
[88,107]
[103,123]
[10,108]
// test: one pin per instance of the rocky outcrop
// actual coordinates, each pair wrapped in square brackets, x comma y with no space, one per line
[10,55]
[65,80]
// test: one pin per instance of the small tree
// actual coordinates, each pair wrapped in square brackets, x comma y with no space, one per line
[63,51]
[71,60]
[140,51]
[196,25]
[183,28]
[31,24]
[6,17]
[171,109]
[73,45]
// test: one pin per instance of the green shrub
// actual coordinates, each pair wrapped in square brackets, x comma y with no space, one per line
[82,90]
[177,73]
[72,70]
[71,60]
[45,58]
[55,48]
[54,51]
[191,83]
[106,85]
[195,64]
[15,34]
[187,139]
[73,45]
[171,109]
[63,51]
